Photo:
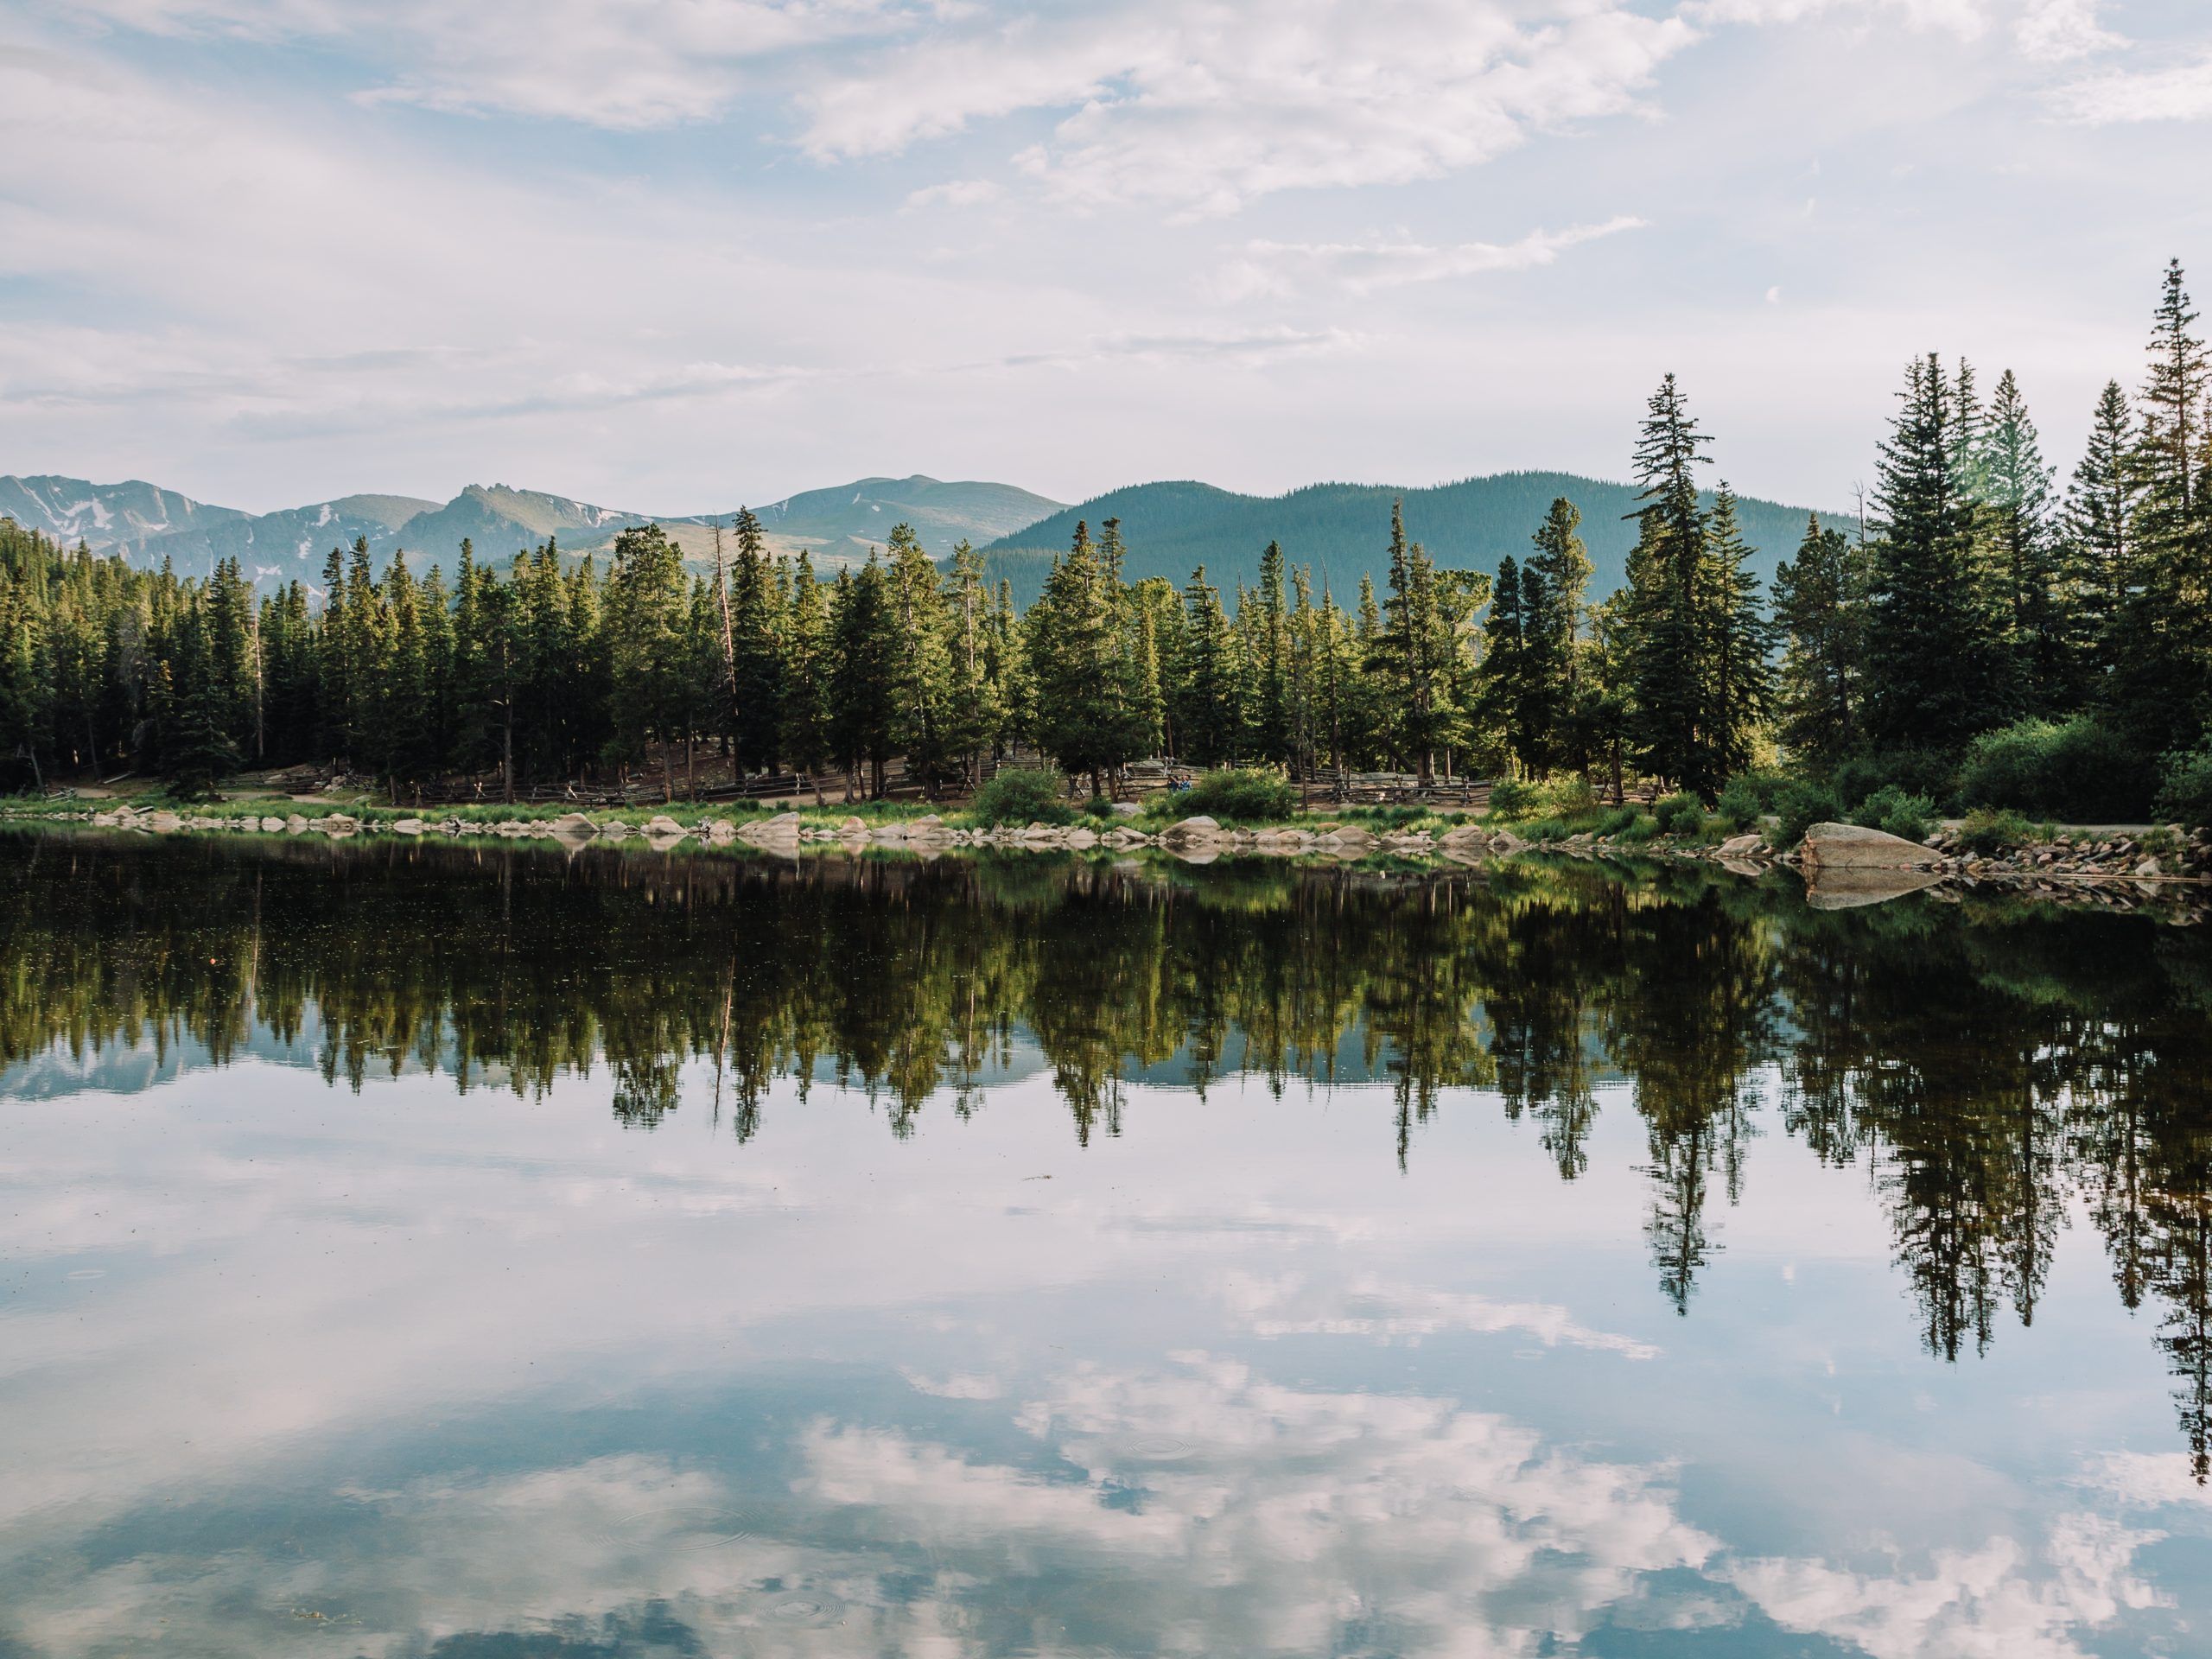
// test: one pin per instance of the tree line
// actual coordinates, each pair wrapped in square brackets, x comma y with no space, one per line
[1969,591]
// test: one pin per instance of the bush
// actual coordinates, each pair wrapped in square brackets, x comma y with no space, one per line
[1509,797]
[1914,771]
[1617,820]
[2185,788]
[2075,769]
[1024,795]
[1643,827]
[1895,812]
[1572,796]
[1988,831]
[1681,814]
[1235,795]
[1799,805]
[1099,807]
[1741,806]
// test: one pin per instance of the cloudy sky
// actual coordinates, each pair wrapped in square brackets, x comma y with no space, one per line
[670,255]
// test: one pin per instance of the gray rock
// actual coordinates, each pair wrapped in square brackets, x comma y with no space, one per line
[1853,846]
[1738,846]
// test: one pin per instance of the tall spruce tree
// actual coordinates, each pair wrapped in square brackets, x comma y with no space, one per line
[1670,601]
[1938,667]
[1820,607]
[2163,688]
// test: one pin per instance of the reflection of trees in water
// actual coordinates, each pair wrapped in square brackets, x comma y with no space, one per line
[1994,1062]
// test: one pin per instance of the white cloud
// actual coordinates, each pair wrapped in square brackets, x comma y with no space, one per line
[1365,266]
[955,193]
[1966,19]
[2182,92]
[610,63]
[2055,31]
[1206,107]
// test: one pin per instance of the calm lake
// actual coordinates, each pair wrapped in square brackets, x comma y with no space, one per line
[421,1250]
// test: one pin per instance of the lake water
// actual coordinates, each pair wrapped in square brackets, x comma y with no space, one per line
[417,1250]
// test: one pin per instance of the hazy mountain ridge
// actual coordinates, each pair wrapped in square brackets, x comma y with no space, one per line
[1342,531]
[836,525]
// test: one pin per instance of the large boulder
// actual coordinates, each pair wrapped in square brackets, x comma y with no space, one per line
[573,826]
[1853,846]
[1741,846]
[1186,831]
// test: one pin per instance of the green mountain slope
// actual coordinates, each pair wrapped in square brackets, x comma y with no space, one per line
[838,525]
[501,522]
[1342,531]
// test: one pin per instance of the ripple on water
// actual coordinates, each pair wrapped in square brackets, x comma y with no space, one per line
[1156,1448]
[686,1527]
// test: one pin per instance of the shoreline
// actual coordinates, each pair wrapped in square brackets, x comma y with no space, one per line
[2075,877]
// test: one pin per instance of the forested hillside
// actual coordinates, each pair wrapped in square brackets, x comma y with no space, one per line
[1172,528]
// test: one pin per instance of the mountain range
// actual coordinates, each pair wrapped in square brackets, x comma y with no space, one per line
[147,525]
[1340,531]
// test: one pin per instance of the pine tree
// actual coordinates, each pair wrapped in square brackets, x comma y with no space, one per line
[809,663]
[2100,544]
[2163,688]
[647,613]
[1669,603]
[1737,647]
[756,666]
[2015,485]
[1206,712]
[1820,607]
[921,668]
[862,689]
[1938,670]
[1076,643]
[1551,630]
[1413,657]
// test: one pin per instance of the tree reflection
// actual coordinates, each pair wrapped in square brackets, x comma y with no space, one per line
[1993,1064]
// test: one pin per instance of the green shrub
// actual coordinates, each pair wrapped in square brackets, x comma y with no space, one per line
[1545,828]
[1990,830]
[1800,805]
[1510,797]
[1740,805]
[1913,771]
[1024,795]
[2185,786]
[1680,814]
[1099,807]
[1616,820]
[1895,812]
[1643,827]
[1235,795]
[2076,769]
[1571,797]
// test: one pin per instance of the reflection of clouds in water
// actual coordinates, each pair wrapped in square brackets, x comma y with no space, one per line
[2148,1478]
[1295,1519]
[1292,1520]
[958,1386]
[1370,1307]
[1979,1603]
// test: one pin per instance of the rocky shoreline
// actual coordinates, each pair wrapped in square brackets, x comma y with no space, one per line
[1843,865]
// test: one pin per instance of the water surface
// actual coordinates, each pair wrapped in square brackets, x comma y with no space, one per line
[417,1250]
